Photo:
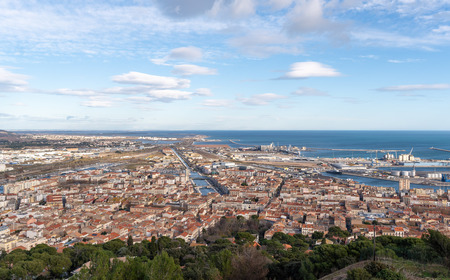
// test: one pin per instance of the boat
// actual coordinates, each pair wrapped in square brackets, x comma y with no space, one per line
[334,171]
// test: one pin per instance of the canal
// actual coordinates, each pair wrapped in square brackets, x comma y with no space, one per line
[201,183]
[376,182]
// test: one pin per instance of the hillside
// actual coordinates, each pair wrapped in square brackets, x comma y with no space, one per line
[410,269]
[8,136]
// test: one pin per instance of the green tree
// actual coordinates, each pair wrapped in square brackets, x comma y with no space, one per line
[163,267]
[18,272]
[136,268]
[337,232]
[43,248]
[100,265]
[130,241]
[33,268]
[222,260]
[374,267]
[5,274]
[152,248]
[59,264]
[317,235]
[113,245]
[358,274]
[15,257]
[440,243]
[119,270]
[244,237]
[387,274]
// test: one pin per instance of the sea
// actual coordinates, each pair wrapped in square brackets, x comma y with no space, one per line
[318,143]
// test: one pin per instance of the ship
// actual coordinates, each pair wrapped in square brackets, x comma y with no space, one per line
[334,171]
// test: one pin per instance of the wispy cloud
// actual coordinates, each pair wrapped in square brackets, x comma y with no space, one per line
[189,53]
[97,102]
[442,29]
[12,82]
[417,87]
[185,9]
[151,80]
[217,102]
[370,56]
[261,99]
[306,91]
[191,69]
[203,92]
[143,88]
[408,60]
[264,43]
[233,9]
[303,70]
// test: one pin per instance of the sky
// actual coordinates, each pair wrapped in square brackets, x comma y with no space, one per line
[224,65]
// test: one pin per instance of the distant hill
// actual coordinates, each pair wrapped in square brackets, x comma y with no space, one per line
[8,136]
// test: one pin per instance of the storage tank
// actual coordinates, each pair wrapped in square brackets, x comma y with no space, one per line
[413,173]
[405,173]
[395,173]
[434,175]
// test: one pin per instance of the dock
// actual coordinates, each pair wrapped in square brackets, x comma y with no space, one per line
[438,149]
[236,143]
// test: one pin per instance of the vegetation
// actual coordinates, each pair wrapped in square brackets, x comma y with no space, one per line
[233,253]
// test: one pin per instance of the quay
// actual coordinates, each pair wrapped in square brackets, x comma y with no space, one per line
[418,181]
[236,143]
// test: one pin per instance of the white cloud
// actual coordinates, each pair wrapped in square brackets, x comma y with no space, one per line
[183,8]
[408,60]
[186,53]
[151,80]
[280,4]
[97,102]
[66,91]
[217,102]
[159,61]
[416,87]
[307,16]
[233,9]
[190,69]
[203,92]
[306,91]
[442,29]
[104,28]
[189,53]
[165,96]
[370,56]
[140,99]
[169,95]
[12,82]
[373,37]
[302,70]
[261,99]
[242,8]
[263,43]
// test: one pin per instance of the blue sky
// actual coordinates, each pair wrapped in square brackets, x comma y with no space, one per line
[224,64]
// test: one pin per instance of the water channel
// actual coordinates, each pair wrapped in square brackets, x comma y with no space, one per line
[200,182]
[378,182]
